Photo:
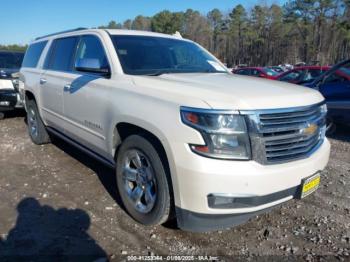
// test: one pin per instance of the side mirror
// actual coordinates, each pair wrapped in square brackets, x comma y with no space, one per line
[90,65]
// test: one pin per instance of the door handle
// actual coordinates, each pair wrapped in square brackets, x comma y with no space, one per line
[42,81]
[67,87]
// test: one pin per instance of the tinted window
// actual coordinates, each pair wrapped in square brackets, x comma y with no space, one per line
[269,71]
[336,78]
[61,54]
[255,72]
[11,60]
[90,47]
[243,72]
[33,54]
[292,76]
[142,55]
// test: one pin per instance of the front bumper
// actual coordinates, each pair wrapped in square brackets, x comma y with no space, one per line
[8,100]
[198,178]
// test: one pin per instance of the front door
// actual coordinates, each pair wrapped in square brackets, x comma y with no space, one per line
[85,98]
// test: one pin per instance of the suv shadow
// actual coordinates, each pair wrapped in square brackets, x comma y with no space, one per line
[105,174]
[43,233]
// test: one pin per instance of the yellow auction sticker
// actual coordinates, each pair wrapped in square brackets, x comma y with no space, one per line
[310,185]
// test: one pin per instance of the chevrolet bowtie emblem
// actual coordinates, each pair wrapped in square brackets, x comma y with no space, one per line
[310,130]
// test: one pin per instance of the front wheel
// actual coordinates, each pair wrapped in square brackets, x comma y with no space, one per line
[142,181]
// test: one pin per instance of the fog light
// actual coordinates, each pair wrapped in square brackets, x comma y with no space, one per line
[4,103]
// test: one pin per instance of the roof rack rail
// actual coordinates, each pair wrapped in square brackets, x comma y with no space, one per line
[62,32]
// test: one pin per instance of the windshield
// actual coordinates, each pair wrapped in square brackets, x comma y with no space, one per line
[148,55]
[269,71]
[10,60]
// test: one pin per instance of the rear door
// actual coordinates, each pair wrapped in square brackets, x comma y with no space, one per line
[58,74]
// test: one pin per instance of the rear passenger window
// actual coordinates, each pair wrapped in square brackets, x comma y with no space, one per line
[90,47]
[33,54]
[61,54]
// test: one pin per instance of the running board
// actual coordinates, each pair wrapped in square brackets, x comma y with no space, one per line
[81,147]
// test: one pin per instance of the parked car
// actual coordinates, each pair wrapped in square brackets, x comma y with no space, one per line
[263,72]
[10,63]
[187,138]
[334,85]
[302,74]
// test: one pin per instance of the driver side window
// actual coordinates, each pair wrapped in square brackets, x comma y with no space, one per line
[294,75]
[335,78]
[90,47]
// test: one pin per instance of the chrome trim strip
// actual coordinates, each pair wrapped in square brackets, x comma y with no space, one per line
[281,110]
[209,111]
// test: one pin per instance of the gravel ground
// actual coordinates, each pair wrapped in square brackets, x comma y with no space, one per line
[56,201]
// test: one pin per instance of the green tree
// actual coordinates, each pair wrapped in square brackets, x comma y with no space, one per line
[141,23]
[167,22]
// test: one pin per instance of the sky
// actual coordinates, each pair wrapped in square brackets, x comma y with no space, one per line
[26,19]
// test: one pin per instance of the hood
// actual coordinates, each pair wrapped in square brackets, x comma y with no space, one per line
[227,91]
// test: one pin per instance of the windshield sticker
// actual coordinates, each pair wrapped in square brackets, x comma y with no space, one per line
[217,66]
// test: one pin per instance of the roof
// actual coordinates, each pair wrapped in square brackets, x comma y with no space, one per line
[312,67]
[250,67]
[109,31]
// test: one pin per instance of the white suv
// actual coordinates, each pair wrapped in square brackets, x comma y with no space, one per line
[187,138]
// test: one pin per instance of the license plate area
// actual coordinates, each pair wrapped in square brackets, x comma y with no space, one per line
[310,185]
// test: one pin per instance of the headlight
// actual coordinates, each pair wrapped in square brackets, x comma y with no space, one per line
[225,134]
[15,83]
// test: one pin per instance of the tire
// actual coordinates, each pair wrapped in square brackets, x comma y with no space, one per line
[2,115]
[36,128]
[142,181]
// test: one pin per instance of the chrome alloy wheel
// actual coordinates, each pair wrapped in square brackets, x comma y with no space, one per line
[139,181]
[32,122]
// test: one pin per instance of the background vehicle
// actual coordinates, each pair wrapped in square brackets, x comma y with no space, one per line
[263,72]
[302,74]
[277,69]
[10,63]
[334,85]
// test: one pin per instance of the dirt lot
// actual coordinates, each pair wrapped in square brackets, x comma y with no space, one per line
[56,201]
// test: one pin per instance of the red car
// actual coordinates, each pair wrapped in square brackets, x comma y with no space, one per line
[263,72]
[302,74]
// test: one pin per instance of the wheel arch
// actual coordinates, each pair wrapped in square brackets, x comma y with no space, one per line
[124,129]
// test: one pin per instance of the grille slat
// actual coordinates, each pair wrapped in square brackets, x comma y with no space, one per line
[288,134]
[290,120]
[294,145]
[292,152]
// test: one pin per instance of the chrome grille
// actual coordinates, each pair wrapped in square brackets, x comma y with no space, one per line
[284,135]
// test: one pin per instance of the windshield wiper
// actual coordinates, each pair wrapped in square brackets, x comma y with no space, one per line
[158,73]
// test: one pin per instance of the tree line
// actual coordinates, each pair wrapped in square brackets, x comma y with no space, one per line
[311,31]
